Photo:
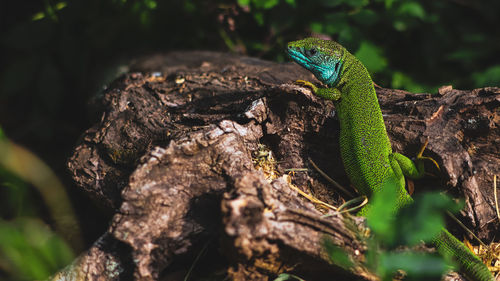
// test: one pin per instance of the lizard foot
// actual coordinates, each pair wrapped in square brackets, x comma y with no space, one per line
[326,93]
[307,84]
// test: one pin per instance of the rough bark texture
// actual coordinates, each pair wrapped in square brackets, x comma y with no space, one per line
[172,157]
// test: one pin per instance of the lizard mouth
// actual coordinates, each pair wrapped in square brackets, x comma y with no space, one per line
[296,55]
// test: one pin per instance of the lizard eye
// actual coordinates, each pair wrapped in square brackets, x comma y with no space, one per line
[311,52]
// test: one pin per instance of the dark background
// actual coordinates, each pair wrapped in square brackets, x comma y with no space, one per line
[56,55]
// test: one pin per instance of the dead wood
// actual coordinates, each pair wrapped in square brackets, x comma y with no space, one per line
[173,156]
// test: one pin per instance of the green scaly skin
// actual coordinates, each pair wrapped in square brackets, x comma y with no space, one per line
[364,144]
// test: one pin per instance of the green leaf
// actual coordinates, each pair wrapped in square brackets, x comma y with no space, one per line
[265,4]
[61,5]
[38,16]
[413,9]
[337,255]
[244,3]
[402,81]
[49,11]
[388,3]
[489,77]
[31,249]
[371,56]
[150,4]
[259,18]
[190,7]
[417,266]
[14,191]
[286,276]
[380,215]
[424,219]
[316,27]
[400,25]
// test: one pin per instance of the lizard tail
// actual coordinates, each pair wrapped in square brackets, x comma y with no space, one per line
[470,264]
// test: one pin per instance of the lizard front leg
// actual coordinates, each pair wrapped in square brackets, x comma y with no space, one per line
[326,93]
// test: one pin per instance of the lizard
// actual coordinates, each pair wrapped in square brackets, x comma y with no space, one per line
[365,147]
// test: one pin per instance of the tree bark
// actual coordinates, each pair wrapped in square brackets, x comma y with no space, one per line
[175,152]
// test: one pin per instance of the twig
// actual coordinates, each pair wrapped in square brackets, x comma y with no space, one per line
[196,260]
[296,170]
[330,179]
[495,194]
[353,201]
[466,229]
[311,198]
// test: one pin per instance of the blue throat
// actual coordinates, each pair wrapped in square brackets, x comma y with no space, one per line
[334,78]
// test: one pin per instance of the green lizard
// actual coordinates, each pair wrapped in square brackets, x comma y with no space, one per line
[364,144]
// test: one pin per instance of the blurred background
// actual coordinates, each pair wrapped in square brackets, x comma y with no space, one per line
[56,55]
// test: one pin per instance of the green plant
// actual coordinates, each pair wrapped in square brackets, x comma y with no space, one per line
[393,235]
[29,248]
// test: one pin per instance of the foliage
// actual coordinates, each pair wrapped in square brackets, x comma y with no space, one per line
[420,221]
[56,54]
[29,249]
[408,44]
[287,276]
[417,222]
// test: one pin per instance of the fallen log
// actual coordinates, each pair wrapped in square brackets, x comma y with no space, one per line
[174,157]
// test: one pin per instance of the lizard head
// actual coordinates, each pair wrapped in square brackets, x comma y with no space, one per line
[324,58]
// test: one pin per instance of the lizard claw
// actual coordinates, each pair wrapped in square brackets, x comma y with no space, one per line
[326,93]
[307,84]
